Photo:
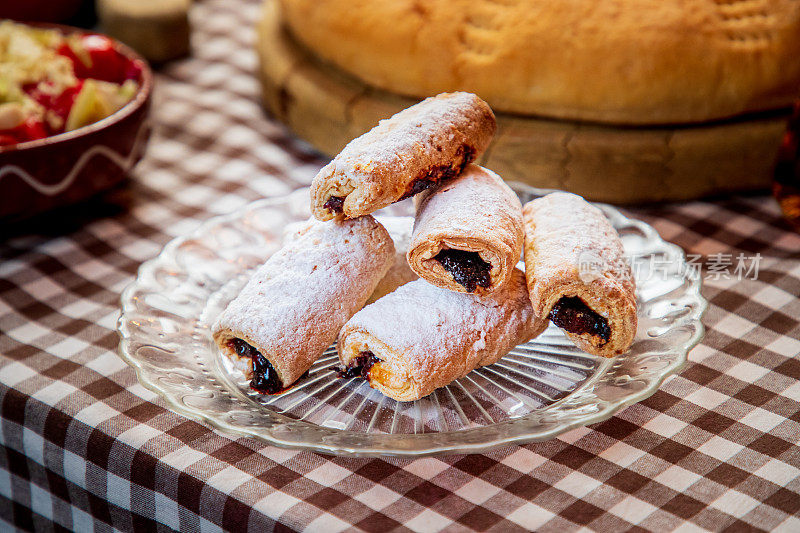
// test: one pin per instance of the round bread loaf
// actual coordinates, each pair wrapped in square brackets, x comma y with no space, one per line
[614,61]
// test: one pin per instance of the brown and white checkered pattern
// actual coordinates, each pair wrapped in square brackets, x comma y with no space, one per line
[83,444]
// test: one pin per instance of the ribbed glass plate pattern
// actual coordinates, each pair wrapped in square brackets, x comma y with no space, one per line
[540,389]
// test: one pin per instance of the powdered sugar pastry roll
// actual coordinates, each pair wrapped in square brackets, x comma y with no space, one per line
[577,273]
[294,305]
[404,155]
[468,233]
[421,337]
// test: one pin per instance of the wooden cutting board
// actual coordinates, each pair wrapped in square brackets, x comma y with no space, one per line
[622,165]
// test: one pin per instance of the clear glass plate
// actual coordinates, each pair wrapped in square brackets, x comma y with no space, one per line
[539,390]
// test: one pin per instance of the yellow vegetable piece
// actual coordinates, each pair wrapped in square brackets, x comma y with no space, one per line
[97,100]
[90,106]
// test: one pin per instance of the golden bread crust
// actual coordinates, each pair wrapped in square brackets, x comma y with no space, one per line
[619,61]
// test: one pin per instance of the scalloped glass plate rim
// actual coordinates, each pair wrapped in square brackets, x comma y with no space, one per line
[517,431]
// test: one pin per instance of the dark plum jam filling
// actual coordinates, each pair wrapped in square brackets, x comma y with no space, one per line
[335,204]
[467,268]
[265,379]
[360,366]
[418,185]
[572,314]
[440,172]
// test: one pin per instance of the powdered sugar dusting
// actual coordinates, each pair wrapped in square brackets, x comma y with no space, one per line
[476,212]
[566,230]
[475,199]
[376,169]
[440,334]
[295,304]
[400,272]
[563,232]
[395,141]
[480,344]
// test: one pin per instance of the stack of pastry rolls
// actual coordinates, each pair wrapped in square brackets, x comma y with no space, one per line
[295,305]
[471,304]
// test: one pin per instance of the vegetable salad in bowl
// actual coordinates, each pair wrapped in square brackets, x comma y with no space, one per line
[51,83]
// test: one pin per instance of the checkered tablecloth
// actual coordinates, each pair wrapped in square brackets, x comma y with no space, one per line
[83,444]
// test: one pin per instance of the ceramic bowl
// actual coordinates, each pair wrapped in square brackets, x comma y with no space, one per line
[66,168]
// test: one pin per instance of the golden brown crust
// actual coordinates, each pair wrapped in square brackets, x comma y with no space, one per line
[571,250]
[401,156]
[443,334]
[626,62]
[475,212]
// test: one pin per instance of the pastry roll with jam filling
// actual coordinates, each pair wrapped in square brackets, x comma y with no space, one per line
[294,305]
[421,337]
[577,273]
[404,155]
[468,233]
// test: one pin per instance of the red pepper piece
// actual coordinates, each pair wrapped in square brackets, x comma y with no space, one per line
[31,129]
[6,139]
[106,63]
[134,68]
[62,104]
[59,104]
[77,65]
